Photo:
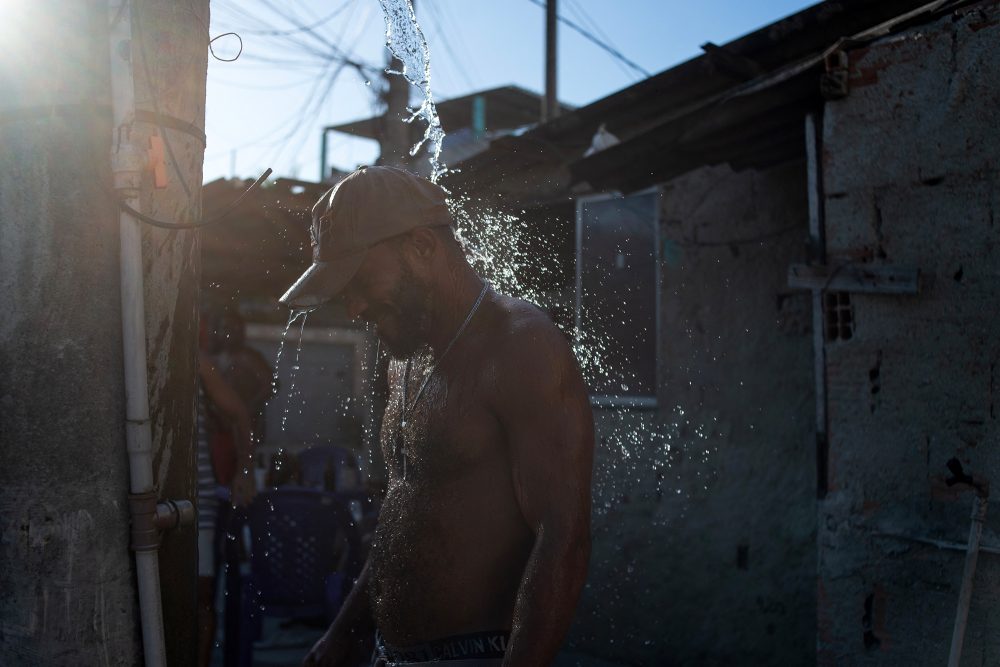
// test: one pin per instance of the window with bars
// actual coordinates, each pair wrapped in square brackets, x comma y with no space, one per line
[839,316]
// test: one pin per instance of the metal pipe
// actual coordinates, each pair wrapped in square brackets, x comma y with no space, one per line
[322,155]
[127,164]
[965,594]
[551,104]
[941,544]
[817,242]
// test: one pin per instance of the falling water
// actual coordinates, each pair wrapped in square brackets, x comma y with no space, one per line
[292,317]
[405,40]
[295,366]
[635,445]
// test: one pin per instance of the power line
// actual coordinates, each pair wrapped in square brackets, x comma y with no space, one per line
[306,30]
[292,31]
[590,36]
[249,86]
[456,32]
[437,21]
[577,8]
[330,50]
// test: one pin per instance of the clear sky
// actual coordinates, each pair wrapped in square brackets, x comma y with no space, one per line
[267,108]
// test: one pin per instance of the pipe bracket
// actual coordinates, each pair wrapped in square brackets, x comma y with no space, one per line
[151,519]
[145,536]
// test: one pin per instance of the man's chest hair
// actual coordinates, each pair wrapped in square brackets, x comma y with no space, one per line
[450,430]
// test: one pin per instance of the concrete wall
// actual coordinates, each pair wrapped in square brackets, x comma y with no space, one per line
[66,575]
[66,571]
[911,161]
[704,526]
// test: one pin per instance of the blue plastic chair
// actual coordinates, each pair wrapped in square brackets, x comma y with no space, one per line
[316,460]
[304,554]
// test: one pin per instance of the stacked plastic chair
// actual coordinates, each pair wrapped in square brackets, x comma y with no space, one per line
[304,554]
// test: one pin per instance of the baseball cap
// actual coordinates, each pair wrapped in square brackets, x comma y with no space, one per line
[369,205]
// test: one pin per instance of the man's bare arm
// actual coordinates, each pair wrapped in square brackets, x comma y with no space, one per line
[545,411]
[348,631]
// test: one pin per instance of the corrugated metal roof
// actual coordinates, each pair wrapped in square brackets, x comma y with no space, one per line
[703,111]
[507,107]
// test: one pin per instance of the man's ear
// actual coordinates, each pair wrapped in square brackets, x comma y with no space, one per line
[423,243]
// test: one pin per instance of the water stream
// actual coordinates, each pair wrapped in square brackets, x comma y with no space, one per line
[294,315]
[405,40]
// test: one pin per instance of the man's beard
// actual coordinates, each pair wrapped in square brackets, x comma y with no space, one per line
[409,308]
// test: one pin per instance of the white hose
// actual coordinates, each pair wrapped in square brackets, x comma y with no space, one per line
[126,166]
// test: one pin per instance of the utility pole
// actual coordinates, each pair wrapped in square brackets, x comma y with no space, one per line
[550,108]
[66,571]
[395,140]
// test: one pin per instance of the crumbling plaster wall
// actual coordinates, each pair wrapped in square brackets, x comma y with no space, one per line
[911,161]
[66,572]
[704,509]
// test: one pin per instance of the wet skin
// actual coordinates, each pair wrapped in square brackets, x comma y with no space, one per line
[489,528]
[452,542]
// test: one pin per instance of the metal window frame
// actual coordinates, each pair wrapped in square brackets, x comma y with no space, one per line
[617,400]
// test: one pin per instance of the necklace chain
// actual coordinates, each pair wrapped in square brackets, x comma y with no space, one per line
[406,410]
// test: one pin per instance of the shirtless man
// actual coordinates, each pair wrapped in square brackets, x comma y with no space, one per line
[484,535]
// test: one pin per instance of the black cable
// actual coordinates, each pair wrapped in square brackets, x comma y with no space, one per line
[201,223]
[283,33]
[194,13]
[590,36]
[436,21]
[226,60]
[140,40]
[595,27]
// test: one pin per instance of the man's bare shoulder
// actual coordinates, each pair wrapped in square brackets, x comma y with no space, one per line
[528,343]
[523,322]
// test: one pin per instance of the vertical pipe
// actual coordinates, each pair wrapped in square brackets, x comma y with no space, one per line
[965,594]
[817,238]
[322,155]
[127,162]
[478,117]
[550,109]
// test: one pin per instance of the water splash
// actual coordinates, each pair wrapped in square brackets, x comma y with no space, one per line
[294,315]
[638,449]
[405,40]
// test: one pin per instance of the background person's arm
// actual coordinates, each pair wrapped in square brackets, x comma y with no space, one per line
[232,407]
[544,408]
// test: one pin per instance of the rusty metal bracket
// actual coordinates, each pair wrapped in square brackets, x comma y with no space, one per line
[860,278]
[833,83]
[151,519]
[145,536]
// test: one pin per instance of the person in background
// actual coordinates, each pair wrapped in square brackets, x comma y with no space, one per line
[216,397]
[245,369]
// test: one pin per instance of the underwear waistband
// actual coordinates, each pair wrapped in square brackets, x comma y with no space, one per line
[456,647]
